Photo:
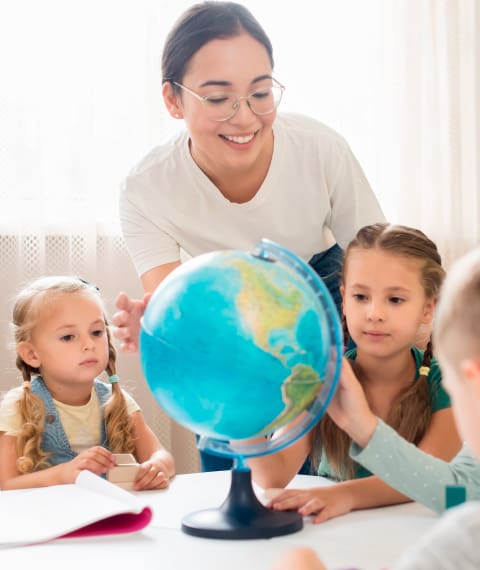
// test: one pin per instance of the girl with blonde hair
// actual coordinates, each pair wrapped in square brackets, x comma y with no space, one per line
[64,419]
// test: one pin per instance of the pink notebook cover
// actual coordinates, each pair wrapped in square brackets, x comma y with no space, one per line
[117,524]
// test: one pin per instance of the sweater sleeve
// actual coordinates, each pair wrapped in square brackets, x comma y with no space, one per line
[415,473]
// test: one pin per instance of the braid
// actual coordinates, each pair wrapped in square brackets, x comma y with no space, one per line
[427,356]
[411,411]
[117,420]
[346,334]
[31,457]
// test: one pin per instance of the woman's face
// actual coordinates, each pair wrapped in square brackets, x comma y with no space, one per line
[240,65]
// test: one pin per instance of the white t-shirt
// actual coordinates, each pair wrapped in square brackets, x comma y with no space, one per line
[80,423]
[452,544]
[314,189]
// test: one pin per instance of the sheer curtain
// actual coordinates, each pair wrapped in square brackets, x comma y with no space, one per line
[80,104]
[435,128]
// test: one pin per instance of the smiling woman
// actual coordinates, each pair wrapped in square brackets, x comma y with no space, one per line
[81,102]
[232,175]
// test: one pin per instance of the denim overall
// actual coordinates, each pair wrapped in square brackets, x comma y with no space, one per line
[54,439]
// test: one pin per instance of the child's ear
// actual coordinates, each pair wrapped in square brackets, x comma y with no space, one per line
[470,368]
[28,354]
[428,311]
[172,101]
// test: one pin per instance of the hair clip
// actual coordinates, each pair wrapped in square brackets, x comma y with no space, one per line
[424,370]
[88,284]
[113,379]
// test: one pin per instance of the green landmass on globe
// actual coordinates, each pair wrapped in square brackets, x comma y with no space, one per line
[298,392]
[266,307]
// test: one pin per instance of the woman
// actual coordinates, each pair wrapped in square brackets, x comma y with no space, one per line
[238,172]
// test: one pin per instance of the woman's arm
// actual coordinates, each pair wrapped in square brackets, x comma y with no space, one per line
[152,279]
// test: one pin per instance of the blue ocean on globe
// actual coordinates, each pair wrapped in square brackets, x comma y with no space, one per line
[234,346]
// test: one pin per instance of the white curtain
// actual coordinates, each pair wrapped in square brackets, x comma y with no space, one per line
[80,104]
[435,136]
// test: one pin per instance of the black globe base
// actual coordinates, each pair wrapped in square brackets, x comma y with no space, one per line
[241,516]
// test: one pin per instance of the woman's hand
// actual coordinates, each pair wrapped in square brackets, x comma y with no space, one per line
[127,320]
[96,459]
[323,503]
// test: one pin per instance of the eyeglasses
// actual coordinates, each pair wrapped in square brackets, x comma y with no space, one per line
[222,105]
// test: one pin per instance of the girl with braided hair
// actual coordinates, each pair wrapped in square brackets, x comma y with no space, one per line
[64,419]
[390,284]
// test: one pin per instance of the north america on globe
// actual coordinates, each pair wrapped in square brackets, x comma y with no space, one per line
[272,313]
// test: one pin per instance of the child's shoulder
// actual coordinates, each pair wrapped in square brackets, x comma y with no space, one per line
[11,397]
[9,411]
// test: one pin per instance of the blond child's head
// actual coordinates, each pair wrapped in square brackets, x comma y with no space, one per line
[36,301]
[457,341]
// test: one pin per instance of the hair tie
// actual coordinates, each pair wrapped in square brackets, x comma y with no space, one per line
[424,370]
[26,385]
[113,379]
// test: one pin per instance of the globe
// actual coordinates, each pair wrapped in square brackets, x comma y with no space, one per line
[243,348]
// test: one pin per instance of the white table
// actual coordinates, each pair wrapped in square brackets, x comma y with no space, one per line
[371,539]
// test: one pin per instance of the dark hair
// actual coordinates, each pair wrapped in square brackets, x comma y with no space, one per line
[411,411]
[202,23]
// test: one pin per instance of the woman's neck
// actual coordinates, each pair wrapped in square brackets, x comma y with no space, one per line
[240,185]
[240,188]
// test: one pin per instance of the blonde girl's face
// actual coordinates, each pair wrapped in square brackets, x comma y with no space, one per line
[384,301]
[239,64]
[69,343]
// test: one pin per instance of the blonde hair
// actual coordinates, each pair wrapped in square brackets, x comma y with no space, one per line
[410,412]
[457,319]
[26,313]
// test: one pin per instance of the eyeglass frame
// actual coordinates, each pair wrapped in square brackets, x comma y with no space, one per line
[236,104]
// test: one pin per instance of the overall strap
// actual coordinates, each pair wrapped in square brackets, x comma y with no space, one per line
[54,438]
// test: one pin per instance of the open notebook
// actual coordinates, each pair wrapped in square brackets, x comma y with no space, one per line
[91,506]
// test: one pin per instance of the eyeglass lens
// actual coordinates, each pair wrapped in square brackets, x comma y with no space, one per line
[223,105]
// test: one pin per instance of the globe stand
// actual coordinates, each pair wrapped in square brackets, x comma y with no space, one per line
[241,516]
